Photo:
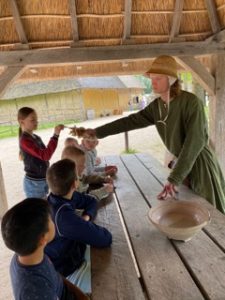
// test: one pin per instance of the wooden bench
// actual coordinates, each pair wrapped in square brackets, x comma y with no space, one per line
[166,269]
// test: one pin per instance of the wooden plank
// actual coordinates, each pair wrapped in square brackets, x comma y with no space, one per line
[74,25]
[8,76]
[175,28]
[219,37]
[201,246]
[213,16]
[18,23]
[153,251]
[113,274]
[207,264]
[215,229]
[107,53]
[127,19]
[200,73]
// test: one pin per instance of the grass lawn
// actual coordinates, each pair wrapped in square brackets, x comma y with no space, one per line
[7,131]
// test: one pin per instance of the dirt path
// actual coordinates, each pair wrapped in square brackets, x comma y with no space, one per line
[143,140]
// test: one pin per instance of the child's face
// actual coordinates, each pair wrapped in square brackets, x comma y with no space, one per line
[30,123]
[89,144]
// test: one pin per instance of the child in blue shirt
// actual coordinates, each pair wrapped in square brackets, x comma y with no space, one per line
[73,232]
[26,229]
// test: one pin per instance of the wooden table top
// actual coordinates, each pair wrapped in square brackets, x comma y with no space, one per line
[143,263]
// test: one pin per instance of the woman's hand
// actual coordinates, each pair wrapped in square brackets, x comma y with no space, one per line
[169,191]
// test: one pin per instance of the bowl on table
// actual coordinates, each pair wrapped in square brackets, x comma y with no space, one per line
[179,220]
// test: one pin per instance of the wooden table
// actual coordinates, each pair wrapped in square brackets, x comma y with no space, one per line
[166,269]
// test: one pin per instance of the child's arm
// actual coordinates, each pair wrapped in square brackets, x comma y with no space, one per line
[73,227]
[85,202]
[30,146]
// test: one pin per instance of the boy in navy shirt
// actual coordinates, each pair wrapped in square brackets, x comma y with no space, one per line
[73,231]
[26,229]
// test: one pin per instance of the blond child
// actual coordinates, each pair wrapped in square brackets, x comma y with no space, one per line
[89,144]
[78,156]
[71,141]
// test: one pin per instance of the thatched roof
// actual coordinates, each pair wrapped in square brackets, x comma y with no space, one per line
[103,37]
[20,90]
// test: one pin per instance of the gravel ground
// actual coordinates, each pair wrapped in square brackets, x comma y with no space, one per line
[143,140]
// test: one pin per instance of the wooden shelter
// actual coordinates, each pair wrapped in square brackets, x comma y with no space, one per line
[51,39]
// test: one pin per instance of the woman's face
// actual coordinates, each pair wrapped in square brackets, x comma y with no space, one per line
[160,83]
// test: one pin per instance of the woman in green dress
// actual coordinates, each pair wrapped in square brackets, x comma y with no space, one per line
[181,123]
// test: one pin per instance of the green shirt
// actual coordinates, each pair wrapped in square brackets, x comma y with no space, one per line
[182,127]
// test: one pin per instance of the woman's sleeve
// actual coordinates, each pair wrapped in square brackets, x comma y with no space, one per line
[138,120]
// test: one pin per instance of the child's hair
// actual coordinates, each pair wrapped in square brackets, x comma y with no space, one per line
[22,114]
[72,153]
[24,224]
[61,175]
[70,141]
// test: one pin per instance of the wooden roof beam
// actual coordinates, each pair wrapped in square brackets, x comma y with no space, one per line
[127,19]
[18,23]
[74,24]
[213,16]
[218,37]
[200,73]
[175,28]
[109,53]
[8,76]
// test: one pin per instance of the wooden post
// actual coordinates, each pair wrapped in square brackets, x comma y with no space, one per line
[3,199]
[219,120]
[126,141]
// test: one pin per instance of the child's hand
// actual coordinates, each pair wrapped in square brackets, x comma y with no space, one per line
[108,179]
[58,129]
[97,161]
[86,218]
[108,187]
[111,170]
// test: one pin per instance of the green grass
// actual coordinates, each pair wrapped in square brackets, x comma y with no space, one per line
[130,151]
[7,131]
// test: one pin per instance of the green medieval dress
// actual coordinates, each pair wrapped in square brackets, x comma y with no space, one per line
[183,128]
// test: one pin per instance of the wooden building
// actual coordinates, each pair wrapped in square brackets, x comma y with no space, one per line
[71,99]
[52,39]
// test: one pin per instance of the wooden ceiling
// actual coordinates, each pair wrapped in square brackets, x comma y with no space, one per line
[47,39]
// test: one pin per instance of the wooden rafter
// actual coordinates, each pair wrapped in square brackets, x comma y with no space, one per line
[127,19]
[213,17]
[219,37]
[73,14]
[200,73]
[17,19]
[8,76]
[175,28]
[101,54]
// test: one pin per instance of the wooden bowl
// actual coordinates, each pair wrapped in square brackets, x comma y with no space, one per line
[179,220]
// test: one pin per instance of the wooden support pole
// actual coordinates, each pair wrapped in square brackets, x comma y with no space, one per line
[126,141]
[219,111]
[3,199]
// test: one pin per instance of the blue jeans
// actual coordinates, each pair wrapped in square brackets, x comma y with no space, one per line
[35,188]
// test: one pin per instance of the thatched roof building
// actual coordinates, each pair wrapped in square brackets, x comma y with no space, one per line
[52,39]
